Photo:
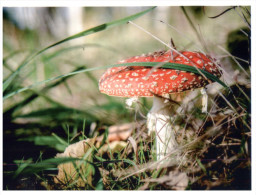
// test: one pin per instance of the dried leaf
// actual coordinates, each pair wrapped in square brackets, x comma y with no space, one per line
[69,173]
[134,145]
[119,132]
[115,146]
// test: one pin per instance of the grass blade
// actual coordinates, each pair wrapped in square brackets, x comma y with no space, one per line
[149,64]
[193,26]
[78,35]
[32,168]
[213,17]
[176,66]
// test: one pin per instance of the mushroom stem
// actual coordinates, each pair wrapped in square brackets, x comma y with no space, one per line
[159,121]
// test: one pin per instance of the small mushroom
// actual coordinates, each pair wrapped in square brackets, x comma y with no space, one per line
[160,83]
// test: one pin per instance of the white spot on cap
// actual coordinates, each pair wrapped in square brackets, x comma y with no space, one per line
[184,80]
[199,61]
[135,74]
[154,84]
[173,77]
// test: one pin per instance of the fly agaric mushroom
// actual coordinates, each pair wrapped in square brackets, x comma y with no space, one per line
[161,84]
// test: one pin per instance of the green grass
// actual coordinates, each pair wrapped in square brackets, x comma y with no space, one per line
[51,100]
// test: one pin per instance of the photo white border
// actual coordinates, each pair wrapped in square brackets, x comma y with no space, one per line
[116,3]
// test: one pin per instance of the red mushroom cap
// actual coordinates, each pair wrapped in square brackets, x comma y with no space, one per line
[142,81]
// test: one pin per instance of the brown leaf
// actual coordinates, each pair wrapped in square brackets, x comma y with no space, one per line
[67,172]
[119,132]
[134,145]
[115,146]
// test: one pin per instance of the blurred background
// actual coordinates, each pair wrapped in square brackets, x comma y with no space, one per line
[35,120]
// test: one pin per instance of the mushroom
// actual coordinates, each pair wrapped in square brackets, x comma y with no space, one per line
[166,86]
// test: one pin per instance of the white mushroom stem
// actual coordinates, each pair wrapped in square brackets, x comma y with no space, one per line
[204,100]
[159,121]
